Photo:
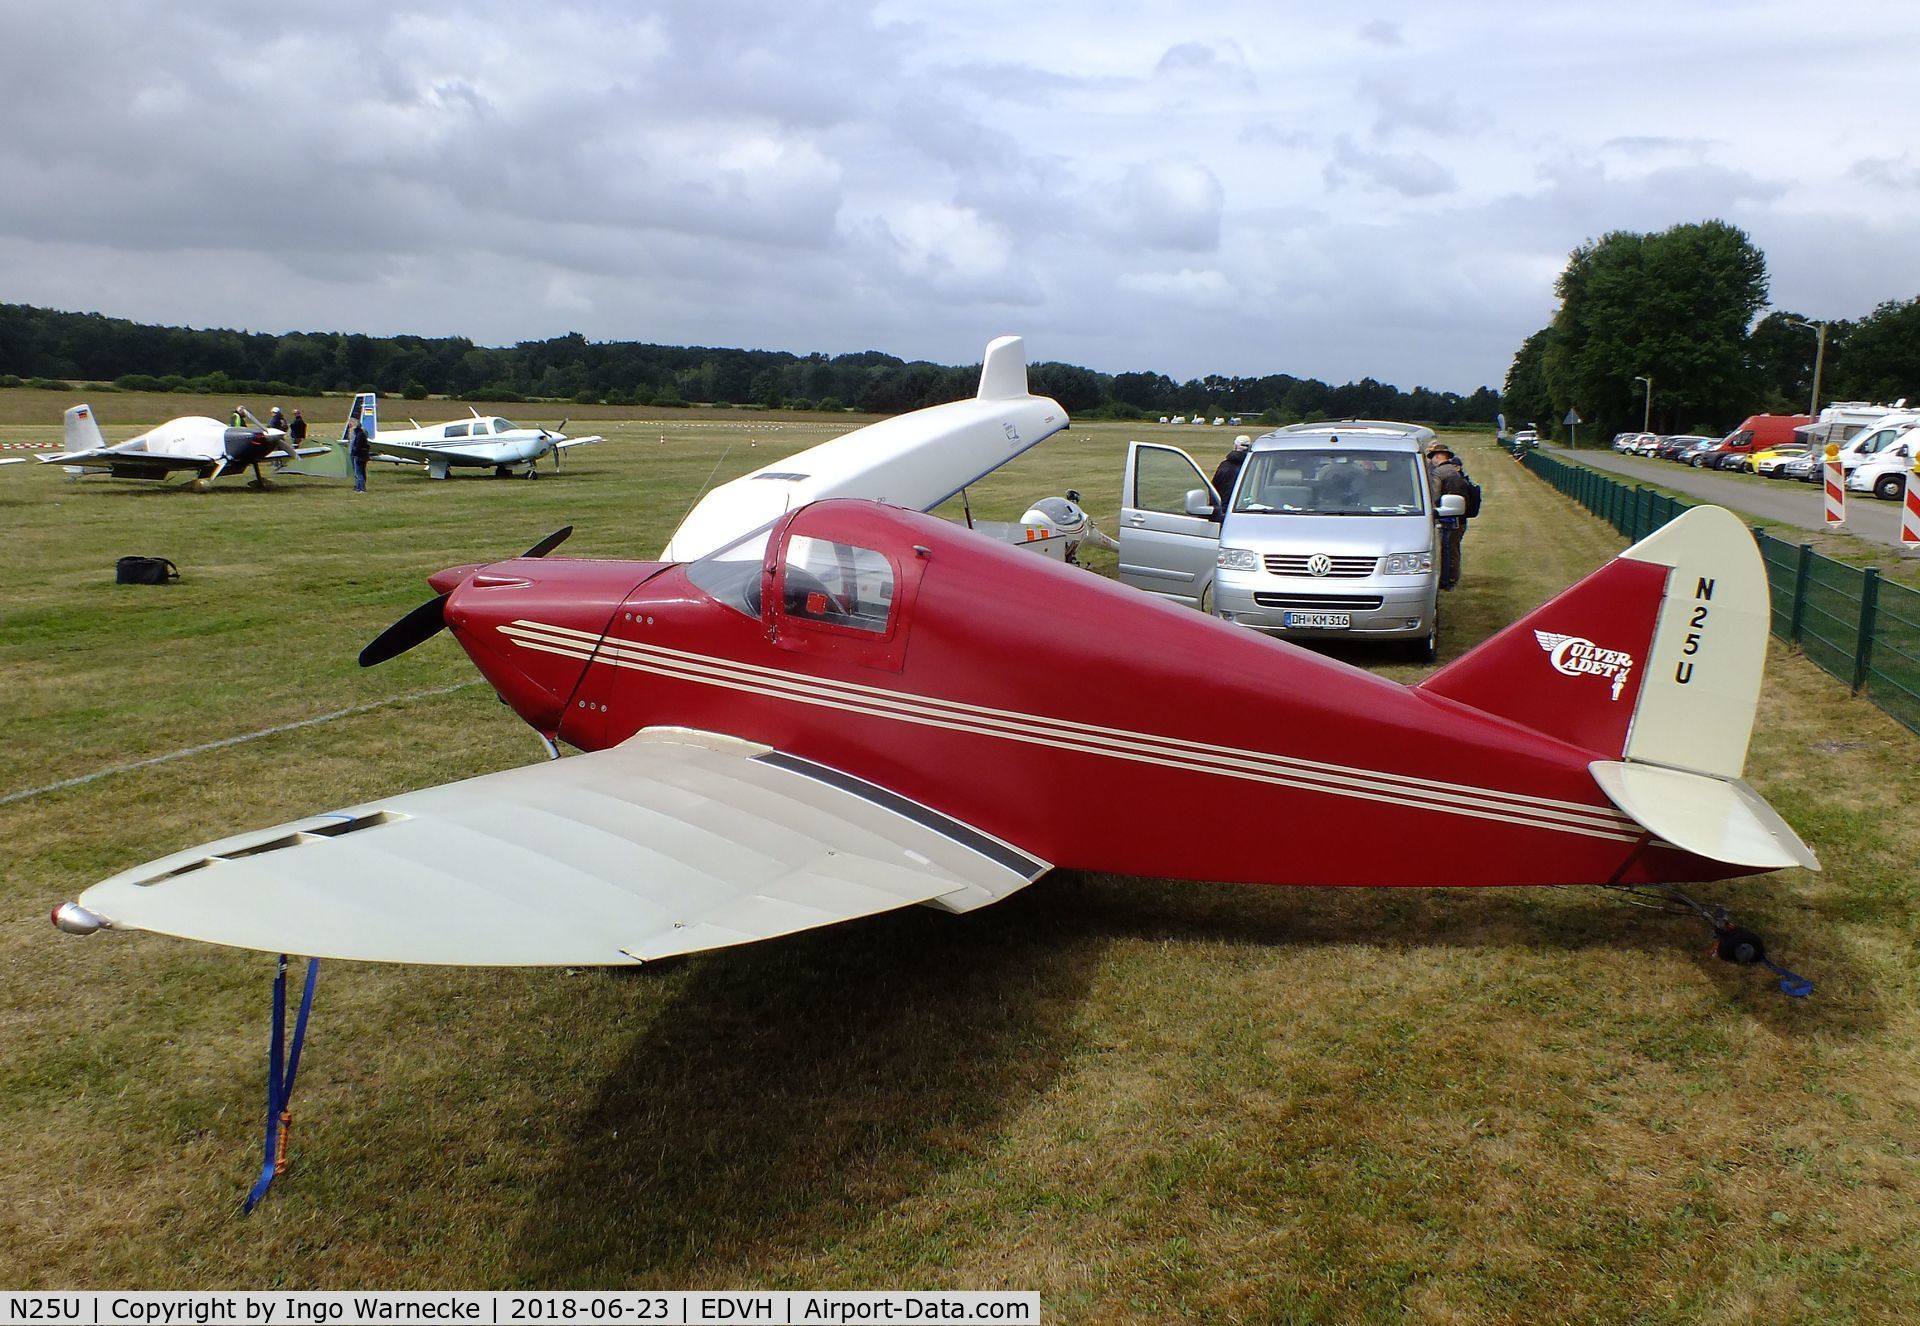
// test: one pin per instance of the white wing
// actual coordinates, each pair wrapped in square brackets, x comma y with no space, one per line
[1548,640]
[915,460]
[563,444]
[672,842]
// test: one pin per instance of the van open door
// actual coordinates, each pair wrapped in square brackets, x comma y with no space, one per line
[1164,548]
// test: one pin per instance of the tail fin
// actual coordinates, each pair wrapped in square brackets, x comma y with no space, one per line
[83,431]
[364,412]
[1653,663]
[1655,657]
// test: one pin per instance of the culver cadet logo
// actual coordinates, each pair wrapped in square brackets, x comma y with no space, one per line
[1578,656]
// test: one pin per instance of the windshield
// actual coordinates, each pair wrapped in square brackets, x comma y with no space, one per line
[1343,483]
[732,574]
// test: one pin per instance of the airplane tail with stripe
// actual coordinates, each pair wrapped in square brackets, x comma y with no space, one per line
[1653,663]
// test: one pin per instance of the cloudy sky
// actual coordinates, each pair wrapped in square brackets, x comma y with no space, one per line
[1322,189]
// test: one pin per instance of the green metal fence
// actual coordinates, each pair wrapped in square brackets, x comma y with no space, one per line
[1850,622]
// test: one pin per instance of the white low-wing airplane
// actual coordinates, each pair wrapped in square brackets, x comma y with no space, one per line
[206,447]
[484,442]
[915,460]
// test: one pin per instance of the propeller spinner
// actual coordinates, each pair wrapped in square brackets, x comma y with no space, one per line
[429,619]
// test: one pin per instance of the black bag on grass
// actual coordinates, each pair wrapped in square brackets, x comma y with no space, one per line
[144,571]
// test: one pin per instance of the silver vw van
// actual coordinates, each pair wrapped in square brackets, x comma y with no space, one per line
[1328,532]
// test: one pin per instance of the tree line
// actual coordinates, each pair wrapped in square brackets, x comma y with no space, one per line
[59,347]
[1678,307]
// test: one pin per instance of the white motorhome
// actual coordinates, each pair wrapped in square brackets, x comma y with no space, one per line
[1886,472]
[1843,421]
[1328,532]
[1874,439]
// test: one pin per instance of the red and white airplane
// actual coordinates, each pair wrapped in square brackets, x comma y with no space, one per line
[858,706]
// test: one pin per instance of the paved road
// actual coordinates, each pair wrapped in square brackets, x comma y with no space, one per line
[1868,518]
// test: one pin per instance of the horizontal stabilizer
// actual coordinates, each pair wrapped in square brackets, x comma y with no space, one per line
[325,462]
[1721,819]
[671,842]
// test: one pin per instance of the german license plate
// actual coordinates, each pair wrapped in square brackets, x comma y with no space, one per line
[1320,621]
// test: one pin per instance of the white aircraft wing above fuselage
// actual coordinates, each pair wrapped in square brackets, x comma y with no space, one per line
[915,460]
[671,842]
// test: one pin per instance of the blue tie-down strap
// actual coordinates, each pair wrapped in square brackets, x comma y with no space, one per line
[283,1066]
[1791,983]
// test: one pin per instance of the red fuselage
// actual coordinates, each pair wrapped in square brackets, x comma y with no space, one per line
[1086,723]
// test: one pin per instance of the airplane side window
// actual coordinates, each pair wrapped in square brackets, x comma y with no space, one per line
[1161,480]
[456,430]
[838,584]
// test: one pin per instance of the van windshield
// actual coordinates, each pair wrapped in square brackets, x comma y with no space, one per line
[1343,483]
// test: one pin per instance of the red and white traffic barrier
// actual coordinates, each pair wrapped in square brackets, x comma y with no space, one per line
[1910,521]
[1836,487]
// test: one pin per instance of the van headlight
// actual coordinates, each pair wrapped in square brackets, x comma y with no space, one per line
[1406,564]
[1237,559]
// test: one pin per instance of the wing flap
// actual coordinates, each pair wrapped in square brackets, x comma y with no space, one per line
[672,842]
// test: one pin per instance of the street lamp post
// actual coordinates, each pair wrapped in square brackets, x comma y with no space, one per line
[1819,361]
[1646,419]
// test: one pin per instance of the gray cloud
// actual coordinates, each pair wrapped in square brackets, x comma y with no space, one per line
[1142,188]
[1381,32]
[1409,174]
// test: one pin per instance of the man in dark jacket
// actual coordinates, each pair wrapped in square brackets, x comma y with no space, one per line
[1228,473]
[1449,479]
[359,450]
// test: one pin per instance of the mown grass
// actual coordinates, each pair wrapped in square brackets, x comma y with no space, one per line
[1149,1101]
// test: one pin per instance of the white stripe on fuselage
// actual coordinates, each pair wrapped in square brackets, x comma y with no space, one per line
[1113,743]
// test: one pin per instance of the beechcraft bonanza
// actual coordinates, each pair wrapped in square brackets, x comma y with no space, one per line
[204,447]
[853,706]
[482,442]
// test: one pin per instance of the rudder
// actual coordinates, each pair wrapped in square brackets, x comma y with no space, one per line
[1656,657]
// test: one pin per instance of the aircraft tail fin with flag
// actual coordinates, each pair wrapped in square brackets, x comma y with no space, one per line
[83,431]
[1653,663]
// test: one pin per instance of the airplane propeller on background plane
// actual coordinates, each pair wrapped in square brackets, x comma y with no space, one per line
[547,434]
[429,619]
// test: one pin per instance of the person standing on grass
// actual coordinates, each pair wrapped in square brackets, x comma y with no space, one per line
[1448,480]
[297,430]
[359,450]
[1228,473]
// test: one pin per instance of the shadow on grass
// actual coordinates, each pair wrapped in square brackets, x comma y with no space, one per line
[1805,935]
[790,1091]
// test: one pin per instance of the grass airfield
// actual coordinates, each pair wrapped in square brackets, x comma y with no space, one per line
[1150,1101]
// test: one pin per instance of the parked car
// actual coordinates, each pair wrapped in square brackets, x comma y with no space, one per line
[1679,445]
[1645,444]
[1770,462]
[1328,533]
[1527,437]
[1805,468]
[1623,442]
